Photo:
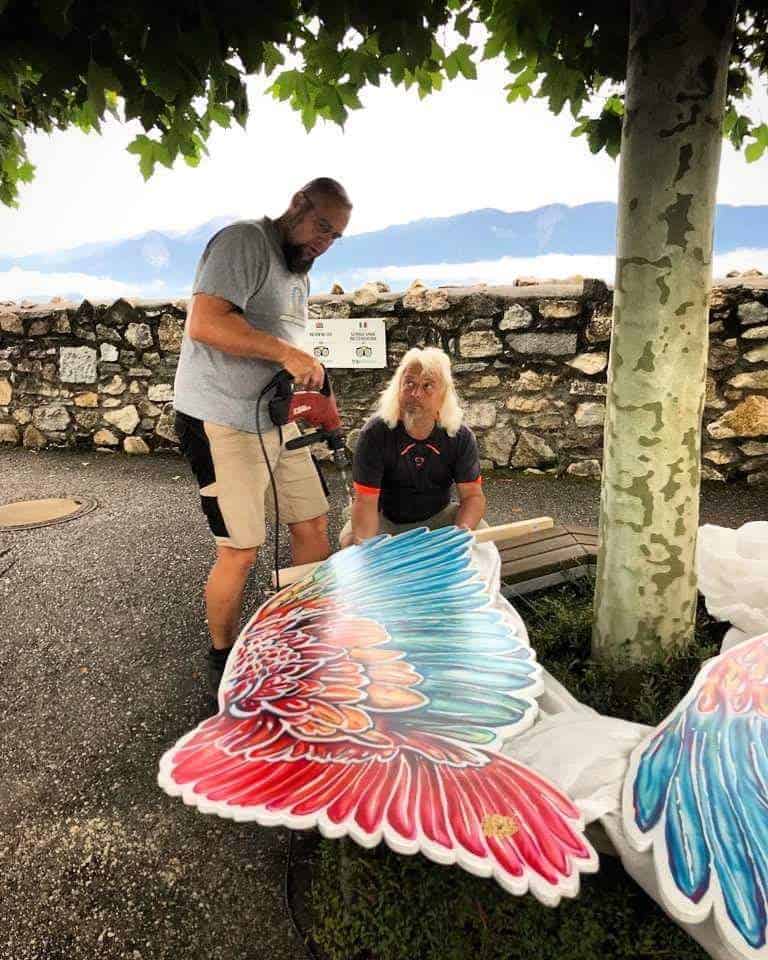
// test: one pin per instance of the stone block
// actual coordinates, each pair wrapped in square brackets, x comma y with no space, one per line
[560,309]
[105,438]
[126,419]
[751,313]
[77,365]
[160,392]
[479,343]
[34,439]
[497,444]
[9,433]
[532,451]
[585,469]
[589,363]
[139,335]
[755,333]
[170,332]
[751,381]
[549,344]
[760,355]
[52,416]
[480,415]
[135,445]
[748,419]
[516,317]
[590,415]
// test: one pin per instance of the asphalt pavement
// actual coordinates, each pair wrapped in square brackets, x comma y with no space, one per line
[102,635]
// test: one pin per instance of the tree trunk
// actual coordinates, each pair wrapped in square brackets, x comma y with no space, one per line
[670,155]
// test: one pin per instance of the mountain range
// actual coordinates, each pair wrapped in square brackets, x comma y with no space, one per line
[166,261]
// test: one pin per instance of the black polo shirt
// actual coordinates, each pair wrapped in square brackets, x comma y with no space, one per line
[413,477]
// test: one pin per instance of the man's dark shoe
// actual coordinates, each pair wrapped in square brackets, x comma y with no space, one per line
[216,661]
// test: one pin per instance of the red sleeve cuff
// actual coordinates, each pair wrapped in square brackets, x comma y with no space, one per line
[366,491]
[477,480]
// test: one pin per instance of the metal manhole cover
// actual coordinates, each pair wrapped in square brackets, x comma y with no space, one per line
[27,514]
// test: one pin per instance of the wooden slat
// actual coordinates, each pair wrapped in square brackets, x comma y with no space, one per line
[536,566]
[576,530]
[540,536]
[536,548]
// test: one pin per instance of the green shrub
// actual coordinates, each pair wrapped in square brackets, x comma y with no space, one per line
[376,905]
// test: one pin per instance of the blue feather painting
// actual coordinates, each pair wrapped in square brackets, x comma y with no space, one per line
[697,792]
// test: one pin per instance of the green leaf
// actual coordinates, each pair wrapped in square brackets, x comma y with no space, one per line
[494,46]
[463,24]
[99,80]
[220,114]
[395,63]
[308,117]
[273,58]
[349,97]
[26,172]
[755,150]
[464,59]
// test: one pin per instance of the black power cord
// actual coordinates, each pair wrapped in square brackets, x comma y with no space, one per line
[266,389]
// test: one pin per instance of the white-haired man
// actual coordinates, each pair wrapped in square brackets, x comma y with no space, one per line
[411,454]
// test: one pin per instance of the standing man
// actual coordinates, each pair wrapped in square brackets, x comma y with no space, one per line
[245,322]
[410,455]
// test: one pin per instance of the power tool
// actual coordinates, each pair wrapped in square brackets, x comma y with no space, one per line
[317,408]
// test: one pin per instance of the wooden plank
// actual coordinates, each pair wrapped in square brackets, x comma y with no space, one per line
[532,527]
[576,529]
[513,551]
[542,536]
[535,566]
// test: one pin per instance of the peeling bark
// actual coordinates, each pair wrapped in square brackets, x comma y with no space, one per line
[645,596]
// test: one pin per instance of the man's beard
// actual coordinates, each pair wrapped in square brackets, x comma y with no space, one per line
[296,258]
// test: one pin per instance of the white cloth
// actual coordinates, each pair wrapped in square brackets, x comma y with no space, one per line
[587,755]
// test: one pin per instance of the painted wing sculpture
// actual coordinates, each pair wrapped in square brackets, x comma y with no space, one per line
[697,791]
[369,700]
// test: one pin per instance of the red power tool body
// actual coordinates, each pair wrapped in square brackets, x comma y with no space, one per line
[317,408]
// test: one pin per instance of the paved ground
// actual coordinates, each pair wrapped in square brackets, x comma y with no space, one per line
[101,639]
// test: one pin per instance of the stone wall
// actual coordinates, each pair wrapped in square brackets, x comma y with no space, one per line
[530,363]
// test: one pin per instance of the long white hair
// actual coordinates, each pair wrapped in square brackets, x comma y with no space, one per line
[431,360]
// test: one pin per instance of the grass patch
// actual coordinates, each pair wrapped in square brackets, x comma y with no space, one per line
[376,905]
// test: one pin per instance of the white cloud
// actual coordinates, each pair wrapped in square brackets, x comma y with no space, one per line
[16,284]
[507,269]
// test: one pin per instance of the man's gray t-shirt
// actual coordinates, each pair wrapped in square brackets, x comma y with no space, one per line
[243,263]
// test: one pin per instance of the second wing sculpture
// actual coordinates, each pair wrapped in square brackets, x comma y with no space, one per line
[370,700]
[697,792]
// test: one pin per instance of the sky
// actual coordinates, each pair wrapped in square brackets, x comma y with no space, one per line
[400,159]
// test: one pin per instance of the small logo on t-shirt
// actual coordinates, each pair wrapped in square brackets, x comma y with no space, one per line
[419,461]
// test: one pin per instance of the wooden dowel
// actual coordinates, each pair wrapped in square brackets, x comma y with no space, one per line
[502,532]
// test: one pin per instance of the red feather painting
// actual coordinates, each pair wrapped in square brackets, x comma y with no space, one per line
[371,700]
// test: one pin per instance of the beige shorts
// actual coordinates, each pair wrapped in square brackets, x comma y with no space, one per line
[235,489]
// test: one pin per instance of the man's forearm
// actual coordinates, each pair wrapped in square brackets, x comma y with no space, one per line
[471,511]
[231,333]
[365,517]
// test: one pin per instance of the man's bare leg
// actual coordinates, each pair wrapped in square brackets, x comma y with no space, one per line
[309,540]
[224,593]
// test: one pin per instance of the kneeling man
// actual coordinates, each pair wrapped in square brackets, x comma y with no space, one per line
[411,454]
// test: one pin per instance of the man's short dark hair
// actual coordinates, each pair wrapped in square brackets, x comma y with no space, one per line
[328,189]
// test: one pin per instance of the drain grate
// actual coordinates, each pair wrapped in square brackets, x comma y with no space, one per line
[28,514]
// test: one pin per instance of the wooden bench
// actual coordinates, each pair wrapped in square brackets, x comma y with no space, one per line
[546,558]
